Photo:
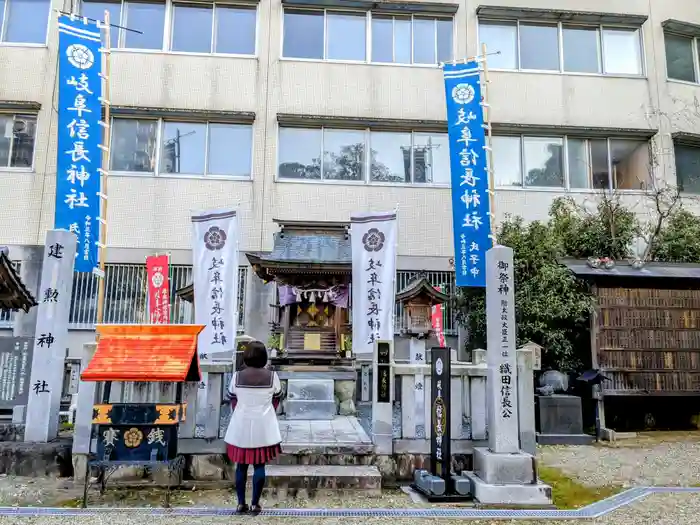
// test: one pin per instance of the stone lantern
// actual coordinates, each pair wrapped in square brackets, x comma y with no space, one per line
[418,299]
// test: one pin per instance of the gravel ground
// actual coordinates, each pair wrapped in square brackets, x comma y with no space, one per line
[668,509]
[653,459]
[644,461]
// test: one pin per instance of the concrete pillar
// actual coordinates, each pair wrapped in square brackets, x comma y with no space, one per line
[526,400]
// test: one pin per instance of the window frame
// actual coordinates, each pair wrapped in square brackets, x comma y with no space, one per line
[368,35]
[160,125]
[682,144]
[21,115]
[169,21]
[695,44]
[560,42]
[367,165]
[565,162]
[3,28]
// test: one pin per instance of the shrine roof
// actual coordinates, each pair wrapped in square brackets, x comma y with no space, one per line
[14,295]
[623,269]
[306,246]
[145,353]
[421,286]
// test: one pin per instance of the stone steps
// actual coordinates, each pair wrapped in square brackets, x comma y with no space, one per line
[304,481]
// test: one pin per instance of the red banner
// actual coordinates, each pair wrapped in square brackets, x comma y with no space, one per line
[158,289]
[437,321]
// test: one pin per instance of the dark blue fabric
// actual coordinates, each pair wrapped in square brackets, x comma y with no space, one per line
[258,482]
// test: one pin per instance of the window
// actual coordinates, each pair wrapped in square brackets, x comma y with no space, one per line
[341,35]
[213,29]
[688,168]
[24,21]
[565,48]
[17,135]
[203,28]
[145,20]
[571,162]
[181,148]
[335,154]
[682,58]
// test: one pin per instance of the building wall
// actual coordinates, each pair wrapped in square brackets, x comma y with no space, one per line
[148,213]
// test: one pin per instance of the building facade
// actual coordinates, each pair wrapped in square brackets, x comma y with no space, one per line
[314,109]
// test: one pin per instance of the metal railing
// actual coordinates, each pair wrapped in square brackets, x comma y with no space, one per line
[444,279]
[126,296]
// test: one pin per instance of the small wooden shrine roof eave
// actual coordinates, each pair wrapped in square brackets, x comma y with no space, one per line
[315,247]
[145,353]
[186,293]
[14,295]
[421,286]
[624,270]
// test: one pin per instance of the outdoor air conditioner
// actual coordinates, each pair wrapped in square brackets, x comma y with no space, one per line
[19,127]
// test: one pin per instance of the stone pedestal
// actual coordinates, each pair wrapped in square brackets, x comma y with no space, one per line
[560,421]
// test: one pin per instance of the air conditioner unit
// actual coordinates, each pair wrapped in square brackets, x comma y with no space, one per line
[19,127]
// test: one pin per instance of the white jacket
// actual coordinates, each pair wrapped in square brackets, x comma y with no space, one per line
[254,422]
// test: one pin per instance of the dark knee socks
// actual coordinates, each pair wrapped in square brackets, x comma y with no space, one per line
[258,483]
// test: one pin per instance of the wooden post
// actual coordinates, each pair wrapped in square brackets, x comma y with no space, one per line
[106,133]
[489,151]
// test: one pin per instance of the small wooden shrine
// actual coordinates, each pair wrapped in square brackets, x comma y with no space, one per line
[13,293]
[418,299]
[140,434]
[311,263]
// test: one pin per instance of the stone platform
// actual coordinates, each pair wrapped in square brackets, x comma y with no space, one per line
[340,435]
[36,459]
[304,481]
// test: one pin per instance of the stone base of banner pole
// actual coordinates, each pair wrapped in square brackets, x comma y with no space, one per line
[503,473]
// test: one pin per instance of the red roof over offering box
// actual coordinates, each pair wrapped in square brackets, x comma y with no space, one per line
[145,353]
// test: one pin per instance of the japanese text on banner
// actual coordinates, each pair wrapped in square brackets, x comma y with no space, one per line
[79,136]
[471,219]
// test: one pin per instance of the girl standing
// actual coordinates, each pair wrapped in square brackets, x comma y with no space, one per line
[253,434]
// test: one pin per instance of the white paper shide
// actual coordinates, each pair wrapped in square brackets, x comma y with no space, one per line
[373,274]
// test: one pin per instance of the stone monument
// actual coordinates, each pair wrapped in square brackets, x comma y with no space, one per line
[503,473]
[51,337]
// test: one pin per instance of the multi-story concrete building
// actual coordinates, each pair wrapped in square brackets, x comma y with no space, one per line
[273,106]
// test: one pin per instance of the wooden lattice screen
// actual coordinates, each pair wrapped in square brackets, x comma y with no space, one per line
[648,340]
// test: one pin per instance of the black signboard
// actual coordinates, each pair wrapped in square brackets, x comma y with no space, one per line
[440,450]
[15,370]
[136,442]
[383,372]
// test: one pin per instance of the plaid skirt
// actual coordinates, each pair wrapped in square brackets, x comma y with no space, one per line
[253,456]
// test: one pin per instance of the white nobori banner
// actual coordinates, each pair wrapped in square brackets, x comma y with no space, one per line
[215,278]
[373,237]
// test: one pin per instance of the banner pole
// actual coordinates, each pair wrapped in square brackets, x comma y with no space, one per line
[104,171]
[489,142]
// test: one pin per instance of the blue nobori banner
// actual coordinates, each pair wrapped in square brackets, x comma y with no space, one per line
[79,135]
[471,221]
